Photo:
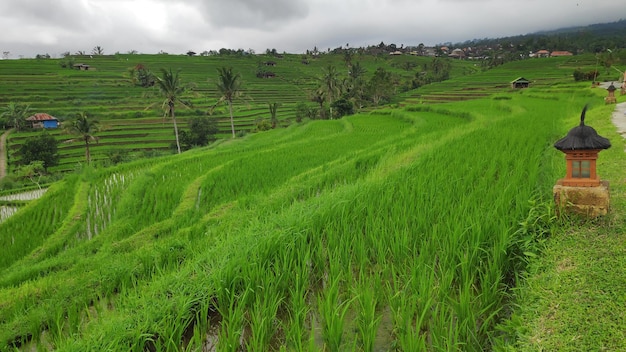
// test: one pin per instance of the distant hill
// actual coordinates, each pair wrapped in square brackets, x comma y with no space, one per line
[599,29]
[591,38]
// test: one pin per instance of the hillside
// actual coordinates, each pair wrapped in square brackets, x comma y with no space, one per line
[132,116]
[403,228]
[593,38]
[132,120]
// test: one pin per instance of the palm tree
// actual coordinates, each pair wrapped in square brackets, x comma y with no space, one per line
[273,110]
[319,96]
[16,114]
[357,71]
[84,128]
[229,85]
[330,85]
[97,50]
[357,84]
[347,57]
[171,89]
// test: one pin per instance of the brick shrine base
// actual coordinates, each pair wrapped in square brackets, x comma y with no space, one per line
[590,202]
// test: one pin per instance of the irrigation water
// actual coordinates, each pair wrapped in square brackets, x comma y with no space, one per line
[6,211]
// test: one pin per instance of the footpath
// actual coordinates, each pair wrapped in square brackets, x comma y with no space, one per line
[619,119]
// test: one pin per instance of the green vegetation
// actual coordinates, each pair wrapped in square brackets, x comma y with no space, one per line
[14,115]
[409,227]
[172,90]
[572,298]
[120,91]
[229,86]
[42,148]
[85,128]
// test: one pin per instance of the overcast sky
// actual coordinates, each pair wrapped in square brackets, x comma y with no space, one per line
[30,27]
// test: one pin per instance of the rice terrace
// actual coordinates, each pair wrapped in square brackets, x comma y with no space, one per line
[406,208]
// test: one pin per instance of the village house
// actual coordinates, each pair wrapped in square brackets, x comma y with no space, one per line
[546,53]
[541,53]
[457,54]
[560,53]
[432,52]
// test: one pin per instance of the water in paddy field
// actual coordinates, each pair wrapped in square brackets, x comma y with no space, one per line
[6,211]
[30,195]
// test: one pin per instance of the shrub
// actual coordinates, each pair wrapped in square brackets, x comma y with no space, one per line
[7,183]
[302,111]
[343,107]
[42,148]
[201,131]
[117,156]
[580,75]
[263,125]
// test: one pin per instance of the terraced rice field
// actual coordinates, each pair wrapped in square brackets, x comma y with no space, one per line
[543,73]
[403,228]
[107,94]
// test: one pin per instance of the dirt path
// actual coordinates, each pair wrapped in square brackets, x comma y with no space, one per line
[619,118]
[3,153]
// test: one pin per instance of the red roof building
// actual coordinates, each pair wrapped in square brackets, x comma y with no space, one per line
[561,53]
[43,120]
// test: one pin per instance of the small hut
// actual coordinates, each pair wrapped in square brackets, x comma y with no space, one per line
[520,82]
[43,120]
[266,74]
[610,99]
[582,190]
[82,67]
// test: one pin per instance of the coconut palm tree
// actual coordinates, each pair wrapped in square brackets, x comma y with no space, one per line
[319,96]
[229,85]
[171,89]
[97,50]
[84,128]
[273,109]
[16,114]
[330,85]
[357,71]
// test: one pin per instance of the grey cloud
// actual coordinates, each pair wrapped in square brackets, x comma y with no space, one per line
[37,26]
[253,13]
[54,13]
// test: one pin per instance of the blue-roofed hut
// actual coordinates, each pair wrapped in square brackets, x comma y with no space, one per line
[43,120]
